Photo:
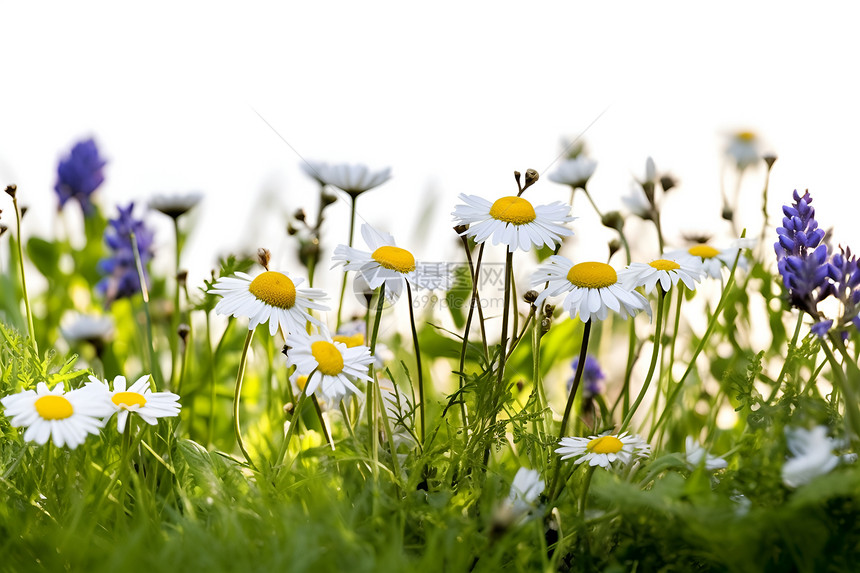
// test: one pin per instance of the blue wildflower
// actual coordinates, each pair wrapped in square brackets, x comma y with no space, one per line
[844,270]
[121,278]
[821,328]
[592,376]
[79,174]
[799,231]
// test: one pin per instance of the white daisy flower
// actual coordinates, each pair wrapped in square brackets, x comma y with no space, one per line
[525,489]
[91,327]
[513,221]
[714,260]
[637,202]
[743,148]
[603,450]
[666,271]
[696,455]
[354,179]
[138,399]
[330,366]
[593,289]
[314,170]
[387,264]
[270,297]
[65,417]
[811,455]
[574,172]
[176,205]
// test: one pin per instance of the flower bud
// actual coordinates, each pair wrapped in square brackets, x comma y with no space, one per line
[263,257]
[548,309]
[11,190]
[328,199]
[530,296]
[545,324]
[614,247]
[531,177]
[299,215]
[613,220]
[770,159]
[460,229]
[667,182]
[182,278]
[183,331]
[728,214]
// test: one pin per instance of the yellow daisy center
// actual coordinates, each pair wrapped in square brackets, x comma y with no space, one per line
[703,251]
[301,382]
[605,445]
[128,399]
[514,210]
[328,357]
[664,265]
[395,259]
[746,136]
[352,341]
[592,275]
[54,408]
[275,289]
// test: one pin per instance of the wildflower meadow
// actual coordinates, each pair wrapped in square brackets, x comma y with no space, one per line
[657,405]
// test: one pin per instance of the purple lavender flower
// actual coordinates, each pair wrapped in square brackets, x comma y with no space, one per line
[844,271]
[821,328]
[592,376]
[79,174]
[121,278]
[799,231]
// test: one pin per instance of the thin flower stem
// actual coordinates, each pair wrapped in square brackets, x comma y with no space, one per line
[30,328]
[420,374]
[294,422]
[318,409]
[389,435]
[852,413]
[657,334]
[144,291]
[177,314]
[764,215]
[791,347]
[237,394]
[211,357]
[353,200]
[373,385]
[540,396]
[497,391]
[475,272]
[583,499]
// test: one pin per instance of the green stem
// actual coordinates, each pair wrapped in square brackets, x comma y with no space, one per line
[30,328]
[144,291]
[353,200]
[297,416]
[372,384]
[791,346]
[240,376]
[657,334]
[498,390]
[324,428]
[583,499]
[420,375]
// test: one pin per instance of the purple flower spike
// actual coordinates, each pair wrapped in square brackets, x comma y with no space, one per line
[122,280]
[592,376]
[820,329]
[79,174]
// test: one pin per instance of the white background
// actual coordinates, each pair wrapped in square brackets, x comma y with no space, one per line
[452,96]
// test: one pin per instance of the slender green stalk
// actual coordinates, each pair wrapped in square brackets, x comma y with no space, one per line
[372,384]
[323,427]
[177,314]
[240,376]
[852,413]
[420,375]
[297,417]
[30,329]
[144,291]
[791,347]
[585,486]
[212,386]
[353,200]
[657,334]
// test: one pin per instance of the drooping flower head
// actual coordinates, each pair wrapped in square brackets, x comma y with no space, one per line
[592,376]
[603,450]
[593,289]
[79,174]
[331,367]
[122,279]
[64,417]
[137,399]
[513,221]
[574,172]
[271,296]
[353,179]
[666,271]
[176,205]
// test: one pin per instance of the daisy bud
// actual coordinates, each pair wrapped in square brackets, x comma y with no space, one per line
[530,296]
[531,177]
[667,182]
[614,247]
[288,408]
[728,213]
[328,199]
[291,230]
[184,330]
[299,215]
[548,309]
[263,257]
[3,229]
[648,187]
[11,190]
[517,176]
[613,220]
[770,159]
[182,278]
[544,325]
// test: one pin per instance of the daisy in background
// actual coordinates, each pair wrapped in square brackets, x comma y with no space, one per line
[811,455]
[352,334]
[175,205]
[271,296]
[65,417]
[353,179]
[666,271]
[713,260]
[513,221]
[93,328]
[696,455]
[593,289]
[138,399]
[574,172]
[743,149]
[331,367]
[386,263]
[525,489]
[603,450]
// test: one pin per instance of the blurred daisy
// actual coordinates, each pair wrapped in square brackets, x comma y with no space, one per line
[513,221]
[89,327]
[637,202]
[696,455]
[387,264]
[352,334]
[330,367]
[176,205]
[138,399]
[354,179]
[665,271]
[574,172]
[713,260]
[603,450]
[743,148]
[593,289]
[65,417]
[811,455]
[314,170]
[270,297]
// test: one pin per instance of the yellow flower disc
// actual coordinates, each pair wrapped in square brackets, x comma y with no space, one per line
[703,251]
[356,339]
[128,399]
[664,265]
[328,357]
[275,289]
[592,275]
[301,382]
[746,136]
[514,210]
[395,259]
[54,408]
[605,445]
